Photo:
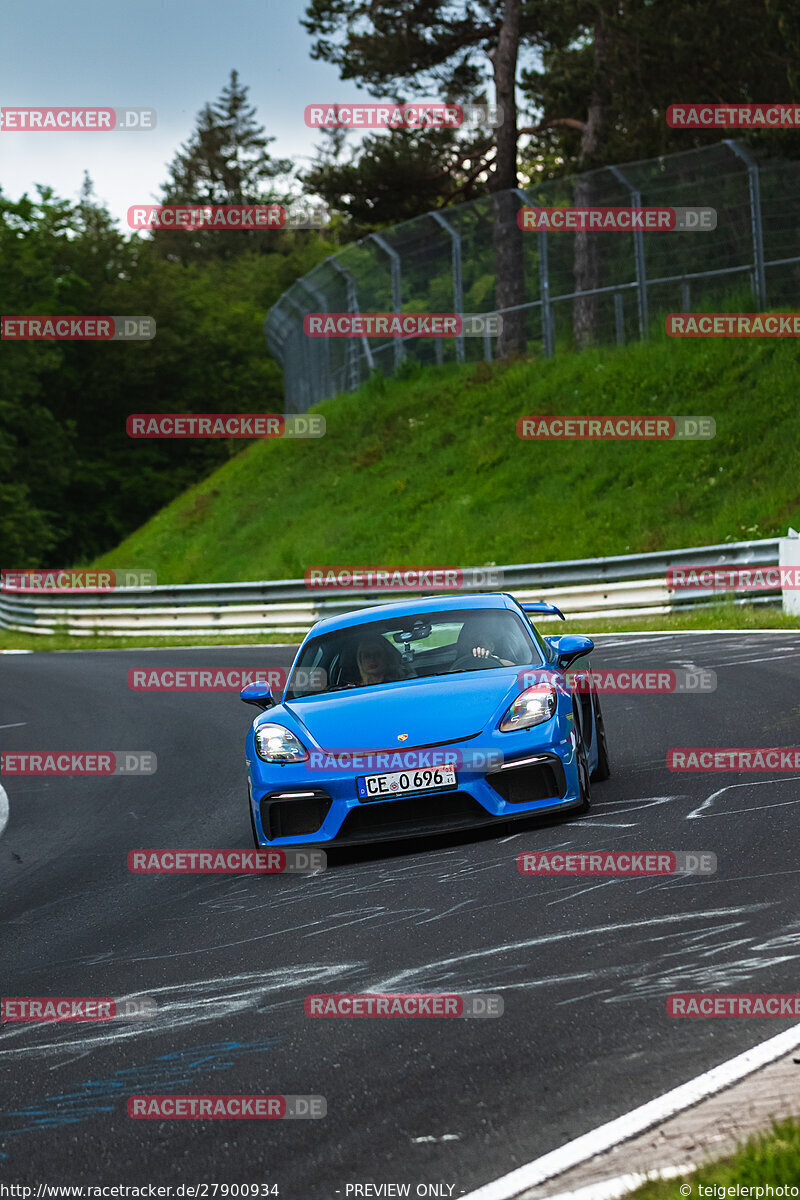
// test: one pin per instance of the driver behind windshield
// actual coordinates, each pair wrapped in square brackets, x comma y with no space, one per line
[482,640]
[377,664]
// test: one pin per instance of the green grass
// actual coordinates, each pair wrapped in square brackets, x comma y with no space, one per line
[772,1157]
[63,641]
[428,470]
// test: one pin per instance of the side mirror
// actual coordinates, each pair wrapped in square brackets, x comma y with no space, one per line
[571,646]
[258,693]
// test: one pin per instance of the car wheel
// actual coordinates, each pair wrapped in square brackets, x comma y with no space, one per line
[602,770]
[584,779]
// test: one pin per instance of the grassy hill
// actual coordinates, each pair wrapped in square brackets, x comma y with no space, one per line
[427,469]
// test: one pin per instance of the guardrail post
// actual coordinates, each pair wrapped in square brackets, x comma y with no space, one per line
[548,338]
[789,556]
[458,284]
[397,297]
[756,225]
[638,253]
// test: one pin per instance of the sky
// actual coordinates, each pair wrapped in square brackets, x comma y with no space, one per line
[170,55]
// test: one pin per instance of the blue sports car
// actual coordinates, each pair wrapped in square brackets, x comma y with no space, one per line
[420,717]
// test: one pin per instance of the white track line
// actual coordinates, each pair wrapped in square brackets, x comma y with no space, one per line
[3,810]
[610,1189]
[646,633]
[635,1122]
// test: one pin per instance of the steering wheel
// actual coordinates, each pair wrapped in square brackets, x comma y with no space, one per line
[464,661]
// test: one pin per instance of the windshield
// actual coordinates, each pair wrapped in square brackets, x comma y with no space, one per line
[417,646]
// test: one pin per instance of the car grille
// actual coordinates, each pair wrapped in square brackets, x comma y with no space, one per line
[525,784]
[412,815]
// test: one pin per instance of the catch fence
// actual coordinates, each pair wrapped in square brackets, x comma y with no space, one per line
[608,287]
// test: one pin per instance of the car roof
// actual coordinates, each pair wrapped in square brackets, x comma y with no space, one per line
[406,608]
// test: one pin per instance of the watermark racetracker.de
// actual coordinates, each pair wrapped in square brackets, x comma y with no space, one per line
[402,325]
[76,1008]
[223,679]
[226,862]
[611,219]
[226,1107]
[71,763]
[224,425]
[419,115]
[402,579]
[73,120]
[617,862]
[70,580]
[623,429]
[77,328]
[413,1005]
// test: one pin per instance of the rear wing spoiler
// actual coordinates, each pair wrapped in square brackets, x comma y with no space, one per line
[541,606]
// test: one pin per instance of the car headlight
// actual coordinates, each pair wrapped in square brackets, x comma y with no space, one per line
[276,744]
[531,707]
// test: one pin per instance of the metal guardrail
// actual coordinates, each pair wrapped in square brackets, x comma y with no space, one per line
[617,586]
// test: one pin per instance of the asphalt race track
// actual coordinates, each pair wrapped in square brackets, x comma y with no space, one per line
[584,965]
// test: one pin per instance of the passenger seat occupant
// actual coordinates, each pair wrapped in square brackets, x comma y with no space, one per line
[376,663]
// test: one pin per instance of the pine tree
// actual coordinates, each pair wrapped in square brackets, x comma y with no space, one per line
[225,161]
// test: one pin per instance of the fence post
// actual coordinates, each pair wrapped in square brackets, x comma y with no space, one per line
[397,291]
[619,318]
[544,285]
[458,285]
[278,330]
[324,374]
[307,375]
[352,307]
[685,296]
[756,225]
[638,253]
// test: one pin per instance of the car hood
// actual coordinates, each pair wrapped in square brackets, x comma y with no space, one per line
[430,711]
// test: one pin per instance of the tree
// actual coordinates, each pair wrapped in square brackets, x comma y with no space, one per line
[72,483]
[225,161]
[36,445]
[610,69]
[399,44]
[398,176]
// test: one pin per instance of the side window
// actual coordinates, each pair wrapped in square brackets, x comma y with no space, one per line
[547,650]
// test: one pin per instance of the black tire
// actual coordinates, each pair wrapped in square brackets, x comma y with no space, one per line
[602,770]
[584,779]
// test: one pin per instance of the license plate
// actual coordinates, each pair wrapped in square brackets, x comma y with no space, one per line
[400,783]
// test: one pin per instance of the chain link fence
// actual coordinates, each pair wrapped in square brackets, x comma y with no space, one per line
[599,287]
